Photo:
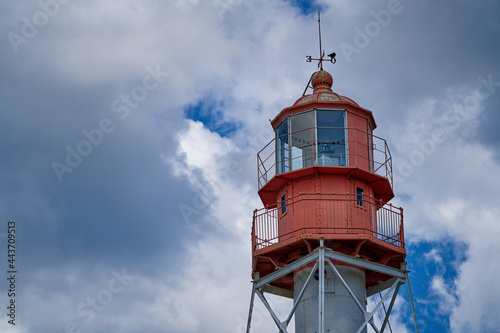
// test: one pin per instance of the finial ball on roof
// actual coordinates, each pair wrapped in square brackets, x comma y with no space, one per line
[321,78]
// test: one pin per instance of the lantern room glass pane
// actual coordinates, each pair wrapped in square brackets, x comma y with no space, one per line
[332,147]
[282,148]
[302,139]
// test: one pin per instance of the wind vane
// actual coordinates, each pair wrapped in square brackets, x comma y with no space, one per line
[321,51]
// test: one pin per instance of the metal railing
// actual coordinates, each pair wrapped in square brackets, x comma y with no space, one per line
[357,149]
[328,215]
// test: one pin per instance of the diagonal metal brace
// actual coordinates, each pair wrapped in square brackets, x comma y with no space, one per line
[346,286]
[370,315]
[250,309]
[299,297]
[275,317]
[287,269]
[386,320]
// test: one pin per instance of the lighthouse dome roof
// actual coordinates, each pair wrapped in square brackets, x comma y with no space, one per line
[322,82]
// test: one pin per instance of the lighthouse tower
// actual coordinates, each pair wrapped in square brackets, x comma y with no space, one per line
[328,236]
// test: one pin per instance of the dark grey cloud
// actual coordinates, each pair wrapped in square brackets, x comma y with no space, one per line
[119,207]
[422,51]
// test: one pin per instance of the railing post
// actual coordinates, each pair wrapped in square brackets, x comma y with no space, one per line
[373,216]
[258,172]
[314,154]
[357,148]
[254,240]
[402,229]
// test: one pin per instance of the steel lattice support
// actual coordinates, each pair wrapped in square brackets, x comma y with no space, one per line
[321,256]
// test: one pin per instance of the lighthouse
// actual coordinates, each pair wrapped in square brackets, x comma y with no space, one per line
[327,236]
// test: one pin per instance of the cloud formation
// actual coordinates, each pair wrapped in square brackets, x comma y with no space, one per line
[167,195]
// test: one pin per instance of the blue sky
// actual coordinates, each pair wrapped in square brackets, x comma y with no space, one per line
[129,132]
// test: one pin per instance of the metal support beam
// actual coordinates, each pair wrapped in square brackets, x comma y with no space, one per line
[275,317]
[321,277]
[346,287]
[287,269]
[370,314]
[411,301]
[250,310]
[380,287]
[330,254]
[277,291]
[373,326]
[386,319]
[299,297]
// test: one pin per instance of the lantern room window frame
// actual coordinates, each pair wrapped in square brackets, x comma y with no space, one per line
[300,144]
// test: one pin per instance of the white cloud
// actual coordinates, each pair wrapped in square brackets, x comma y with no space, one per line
[454,195]
[202,149]
[445,292]
[215,282]
[434,256]
[251,55]
[215,167]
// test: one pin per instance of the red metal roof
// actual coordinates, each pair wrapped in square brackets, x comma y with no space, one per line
[322,83]
[323,96]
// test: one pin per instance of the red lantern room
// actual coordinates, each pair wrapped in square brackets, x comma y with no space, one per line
[325,176]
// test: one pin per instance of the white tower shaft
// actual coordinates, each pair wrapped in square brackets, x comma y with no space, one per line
[341,314]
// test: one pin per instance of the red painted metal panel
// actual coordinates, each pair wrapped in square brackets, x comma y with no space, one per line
[329,215]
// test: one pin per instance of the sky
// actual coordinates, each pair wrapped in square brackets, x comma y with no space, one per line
[129,132]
